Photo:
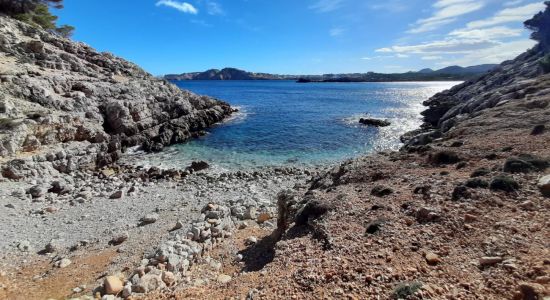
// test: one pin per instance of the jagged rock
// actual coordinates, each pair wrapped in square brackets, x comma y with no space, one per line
[147,283]
[94,103]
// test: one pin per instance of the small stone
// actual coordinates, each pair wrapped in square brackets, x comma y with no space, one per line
[9,206]
[544,185]
[119,239]
[117,195]
[169,278]
[51,209]
[252,240]
[150,218]
[468,218]
[52,246]
[263,217]
[250,213]
[528,205]
[179,225]
[127,290]
[37,191]
[112,285]
[63,263]
[224,278]
[24,246]
[489,261]
[432,259]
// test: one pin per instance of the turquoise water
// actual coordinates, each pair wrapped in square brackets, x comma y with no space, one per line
[283,122]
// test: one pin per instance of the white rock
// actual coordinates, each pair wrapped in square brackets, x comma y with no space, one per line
[544,185]
[63,263]
[224,278]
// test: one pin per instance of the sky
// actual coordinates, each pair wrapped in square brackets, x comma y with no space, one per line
[303,36]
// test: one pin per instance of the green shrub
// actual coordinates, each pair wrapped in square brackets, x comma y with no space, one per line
[406,289]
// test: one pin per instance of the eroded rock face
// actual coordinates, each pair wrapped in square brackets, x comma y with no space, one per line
[516,83]
[58,94]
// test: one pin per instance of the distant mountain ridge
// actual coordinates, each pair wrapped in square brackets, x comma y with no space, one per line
[448,73]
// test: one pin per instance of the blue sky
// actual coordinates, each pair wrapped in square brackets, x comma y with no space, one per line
[304,36]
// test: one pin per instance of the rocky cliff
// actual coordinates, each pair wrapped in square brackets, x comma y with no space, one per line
[65,104]
[511,82]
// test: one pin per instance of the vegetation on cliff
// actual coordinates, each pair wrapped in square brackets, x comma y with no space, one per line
[36,13]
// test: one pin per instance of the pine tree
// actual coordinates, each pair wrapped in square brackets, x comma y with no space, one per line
[36,13]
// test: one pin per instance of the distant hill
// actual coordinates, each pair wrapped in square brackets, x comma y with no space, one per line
[468,70]
[226,74]
[448,73]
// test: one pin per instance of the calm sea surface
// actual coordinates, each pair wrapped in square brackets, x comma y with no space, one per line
[283,122]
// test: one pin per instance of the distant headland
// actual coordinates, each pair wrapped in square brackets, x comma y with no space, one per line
[445,74]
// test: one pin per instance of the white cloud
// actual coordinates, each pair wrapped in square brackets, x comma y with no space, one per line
[446,12]
[492,55]
[336,31]
[401,55]
[432,57]
[448,46]
[324,6]
[486,33]
[513,2]
[515,14]
[181,6]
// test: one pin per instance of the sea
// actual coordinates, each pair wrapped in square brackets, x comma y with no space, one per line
[284,123]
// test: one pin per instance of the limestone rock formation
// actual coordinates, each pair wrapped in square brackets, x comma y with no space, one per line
[71,106]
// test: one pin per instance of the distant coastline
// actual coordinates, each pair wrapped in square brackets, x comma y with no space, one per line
[452,73]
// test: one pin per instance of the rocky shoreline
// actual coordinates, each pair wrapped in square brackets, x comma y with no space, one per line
[459,213]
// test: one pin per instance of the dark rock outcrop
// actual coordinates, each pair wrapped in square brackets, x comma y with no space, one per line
[374,122]
[73,107]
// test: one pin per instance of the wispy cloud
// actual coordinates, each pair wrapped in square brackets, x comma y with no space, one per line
[181,6]
[446,11]
[495,54]
[389,5]
[490,33]
[214,8]
[513,2]
[324,6]
[432,57]
[448,46]
[336,31]
[507,15]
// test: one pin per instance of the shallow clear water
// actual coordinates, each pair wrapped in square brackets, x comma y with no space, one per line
[283,122]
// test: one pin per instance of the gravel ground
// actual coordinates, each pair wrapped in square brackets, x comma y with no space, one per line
[98,220]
